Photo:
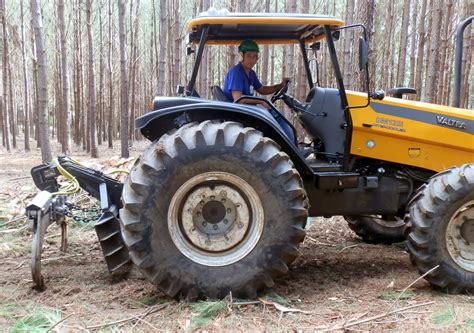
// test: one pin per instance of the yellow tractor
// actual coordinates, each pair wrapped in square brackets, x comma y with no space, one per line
[219,201]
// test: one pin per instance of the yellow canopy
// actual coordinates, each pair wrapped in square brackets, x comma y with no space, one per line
[264,28]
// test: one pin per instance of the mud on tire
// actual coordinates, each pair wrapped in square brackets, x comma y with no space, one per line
[213,208]
[442,229]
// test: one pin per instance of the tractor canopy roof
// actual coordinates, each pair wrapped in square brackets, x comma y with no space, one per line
[265,28]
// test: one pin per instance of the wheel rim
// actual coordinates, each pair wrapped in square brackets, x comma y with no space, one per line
[215,218]
[460,236]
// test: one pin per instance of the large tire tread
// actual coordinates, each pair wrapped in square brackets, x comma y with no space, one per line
[152,167]
[425,242]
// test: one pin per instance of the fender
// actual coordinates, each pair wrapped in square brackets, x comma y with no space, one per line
[174,112]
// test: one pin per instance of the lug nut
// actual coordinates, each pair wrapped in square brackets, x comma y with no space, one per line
[204,223]
[215,227]
[229,210]
[223,200]
[226,221]
[212,197]
[240,225]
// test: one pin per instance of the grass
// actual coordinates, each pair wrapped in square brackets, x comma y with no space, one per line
[470,323]
[274,297]
[37,320]
[443,317]
[150,300]
[401,245]
[14,244]
[393,295]
[205,311]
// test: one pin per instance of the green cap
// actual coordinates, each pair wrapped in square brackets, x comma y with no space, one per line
[248,45]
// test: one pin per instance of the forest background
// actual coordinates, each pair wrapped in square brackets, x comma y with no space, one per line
[81,71]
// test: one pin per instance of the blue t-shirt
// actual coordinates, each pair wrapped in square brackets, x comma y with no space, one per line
[238,80]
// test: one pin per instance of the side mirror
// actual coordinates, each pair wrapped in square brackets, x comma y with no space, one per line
[189,50]
[180,90]
[363,53]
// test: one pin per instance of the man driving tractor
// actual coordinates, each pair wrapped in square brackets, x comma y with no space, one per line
[241,80]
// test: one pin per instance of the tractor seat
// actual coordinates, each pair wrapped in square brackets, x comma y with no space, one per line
[219,94]
[400,91]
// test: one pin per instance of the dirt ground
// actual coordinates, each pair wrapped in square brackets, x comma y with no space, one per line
[338,282]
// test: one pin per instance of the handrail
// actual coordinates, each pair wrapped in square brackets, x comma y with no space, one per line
[458,60]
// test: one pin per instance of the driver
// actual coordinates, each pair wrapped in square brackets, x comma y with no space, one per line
[242,80]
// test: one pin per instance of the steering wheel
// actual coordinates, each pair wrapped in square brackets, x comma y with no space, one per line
[279,94]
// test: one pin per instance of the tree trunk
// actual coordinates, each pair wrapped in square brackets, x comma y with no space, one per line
[467,56]
[402,54]
[443,61]
[413,45]
[420,52]
[366,14]
[133,71]
[163,42]
[11,109]
[26,108]
[42,84]
[64,81]
[2,108]
[92,96]
[302,87]
[387,49]
[100,104]
[265,50]
[123,82]
[111,123]
[231,53]
[4,97]
[432,75]
[177,43]
[35,105]
[347,69]
[204,68]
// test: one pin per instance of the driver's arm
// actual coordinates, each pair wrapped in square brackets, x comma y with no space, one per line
[267,90]
[237,94]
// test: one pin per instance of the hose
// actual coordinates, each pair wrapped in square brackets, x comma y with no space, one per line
[72,187]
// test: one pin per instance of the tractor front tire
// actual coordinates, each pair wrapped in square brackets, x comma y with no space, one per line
[377,229]
[213,208]
[442,230]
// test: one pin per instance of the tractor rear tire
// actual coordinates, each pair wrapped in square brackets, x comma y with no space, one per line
[377,229]
[442,230]
[213,208]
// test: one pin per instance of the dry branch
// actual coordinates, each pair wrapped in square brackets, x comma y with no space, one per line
[363,321]
[132,318]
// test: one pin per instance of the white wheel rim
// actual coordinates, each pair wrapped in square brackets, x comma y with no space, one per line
[460,236]
[215,218]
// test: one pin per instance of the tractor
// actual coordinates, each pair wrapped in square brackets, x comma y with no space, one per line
[218,202]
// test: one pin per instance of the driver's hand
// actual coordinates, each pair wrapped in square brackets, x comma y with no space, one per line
[264,105]
[284,81]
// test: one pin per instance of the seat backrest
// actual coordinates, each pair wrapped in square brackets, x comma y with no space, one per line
[219,94]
